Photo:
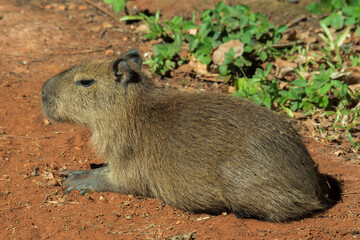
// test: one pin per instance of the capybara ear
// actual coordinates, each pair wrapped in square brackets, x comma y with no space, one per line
[124,74]
[117,68]
[133,56]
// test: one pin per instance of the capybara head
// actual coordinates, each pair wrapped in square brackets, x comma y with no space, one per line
[86,93]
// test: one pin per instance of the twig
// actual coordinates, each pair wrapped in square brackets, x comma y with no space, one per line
[211,79]
[286,44]
[63,53]
[8,208]
[25,137]
[86,52]
[100,8]
[296,21]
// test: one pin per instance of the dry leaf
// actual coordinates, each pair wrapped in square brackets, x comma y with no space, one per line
[142,29]
[219,54]
[198,67]
[285,71]
[193,31]
[354,77]
[284,68]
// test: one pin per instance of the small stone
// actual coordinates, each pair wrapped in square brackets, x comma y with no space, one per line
[107,25]
[109,52]
[61,7]
[53,182]
[82,7]
[231,89]
[72,6]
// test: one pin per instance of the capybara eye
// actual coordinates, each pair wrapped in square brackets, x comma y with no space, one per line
[85,82]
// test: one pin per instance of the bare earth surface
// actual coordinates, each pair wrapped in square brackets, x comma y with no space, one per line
[38,39]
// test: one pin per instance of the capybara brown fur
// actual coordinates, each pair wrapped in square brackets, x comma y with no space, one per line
[199,152]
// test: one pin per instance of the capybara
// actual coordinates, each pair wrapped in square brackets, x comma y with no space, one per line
[199,152]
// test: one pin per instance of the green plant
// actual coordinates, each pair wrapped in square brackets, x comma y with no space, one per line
[320,92]
[233,65]
[168,31]
[342,12]
[356,145]
[217,26]
[225,23]
[347,120]
[258,88]
[118,5]
[355,61]
[332,46]
[166,55]
[155,28]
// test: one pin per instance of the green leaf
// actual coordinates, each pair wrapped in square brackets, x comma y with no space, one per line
[132,18]
[240,93]
[248,49]
[177,21]
[299,83]
[341,37]
[293,95]
[169,64]
[295,106]
[193,42]
[189,25]
[308,106]
[268,69]
[324,102]
[118,5]
[309,90]
[325,89]
[263,56]
[288,111]
[319,7]
[357,31]
[313,8]
[157,16]
[256,99]
[281,29]
[246,38]
[337,83]
[335,20]
[151,36]
[267,101]
[205,59]
[223,69]
[240,83]
[203,49]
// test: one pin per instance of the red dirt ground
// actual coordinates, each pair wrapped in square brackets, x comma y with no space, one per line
[39,39]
